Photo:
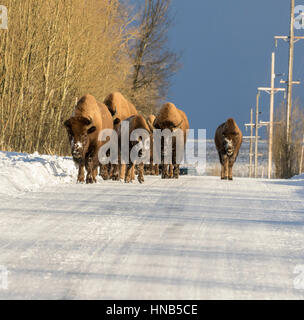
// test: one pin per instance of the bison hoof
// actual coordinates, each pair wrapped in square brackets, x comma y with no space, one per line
[230,178]
[90,180]
[141,179]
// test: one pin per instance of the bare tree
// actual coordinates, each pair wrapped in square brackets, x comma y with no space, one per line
[154,63]
[287,156]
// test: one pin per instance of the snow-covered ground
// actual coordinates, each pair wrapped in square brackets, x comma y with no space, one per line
[29,172]
[192,238]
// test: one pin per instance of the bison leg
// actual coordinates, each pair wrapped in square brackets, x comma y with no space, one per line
[170,175]
[140,176]
[230,169]
[122,171]
[80,178]
[115,172]
[156,170]
[176,171]
[91,171]
[133,173]
[224,170]
[104,173]
[165,171]
[94,174]
[128,176]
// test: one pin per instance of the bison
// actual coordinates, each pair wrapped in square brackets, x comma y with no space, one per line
[172,118]
[135,122]
[120,109]
[228,140]
[89,118]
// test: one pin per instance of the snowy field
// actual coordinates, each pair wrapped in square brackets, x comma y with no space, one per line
[194,238]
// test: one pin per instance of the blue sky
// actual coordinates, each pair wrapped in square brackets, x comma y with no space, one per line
[226,48]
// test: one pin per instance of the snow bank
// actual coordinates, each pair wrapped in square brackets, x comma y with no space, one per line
[20,172]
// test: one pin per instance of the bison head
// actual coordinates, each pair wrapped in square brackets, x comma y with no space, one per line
[229,142]
[228,145]
[79,130]
[167,125]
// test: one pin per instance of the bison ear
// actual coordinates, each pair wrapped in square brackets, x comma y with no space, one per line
[116,122]
[91,130]
[155,125]
[67,123]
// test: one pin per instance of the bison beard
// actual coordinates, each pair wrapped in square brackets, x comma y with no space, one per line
[228,140]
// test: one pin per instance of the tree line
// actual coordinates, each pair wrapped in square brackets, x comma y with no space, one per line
[53,52]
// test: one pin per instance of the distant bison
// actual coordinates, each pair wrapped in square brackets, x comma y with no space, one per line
[172,118]
[88,120]
[228,140]
[136,122]
[120,109]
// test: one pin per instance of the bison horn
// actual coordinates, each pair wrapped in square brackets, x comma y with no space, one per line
[155,125]
[114,116]
[89,121]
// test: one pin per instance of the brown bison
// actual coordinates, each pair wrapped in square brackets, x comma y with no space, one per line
[88,120]
[135,122]
[228,140]
[120,109]
[172,118]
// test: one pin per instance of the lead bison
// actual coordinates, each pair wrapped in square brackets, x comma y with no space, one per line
[88,120]
[228,140]
[172,118]
[120,109]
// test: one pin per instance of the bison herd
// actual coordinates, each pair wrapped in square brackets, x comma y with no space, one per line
[91,117]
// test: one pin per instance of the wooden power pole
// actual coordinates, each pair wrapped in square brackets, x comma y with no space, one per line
[251,142]
[256,135]
[272,90]
[302,156]
[251,137]
[292,39]
[290,71]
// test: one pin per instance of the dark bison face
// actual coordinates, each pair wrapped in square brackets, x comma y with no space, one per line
[79,129]
[228,142]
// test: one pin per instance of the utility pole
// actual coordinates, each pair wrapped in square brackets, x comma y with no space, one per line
[256,135]
[301,160]
[290,71]
[251,125]
[272,90]
[292,39]
[251,142]
[270,143]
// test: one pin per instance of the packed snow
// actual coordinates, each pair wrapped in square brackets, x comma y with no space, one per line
[28,172]
[193,238]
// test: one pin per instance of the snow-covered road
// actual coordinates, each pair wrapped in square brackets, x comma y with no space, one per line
[195,238]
